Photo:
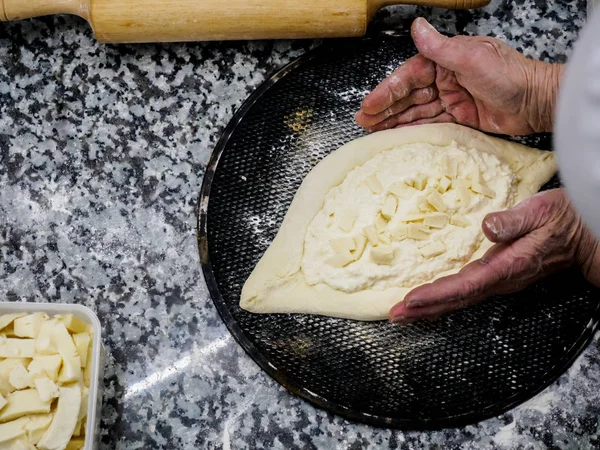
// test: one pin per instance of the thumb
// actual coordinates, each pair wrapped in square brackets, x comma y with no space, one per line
[447,52]
[527,216]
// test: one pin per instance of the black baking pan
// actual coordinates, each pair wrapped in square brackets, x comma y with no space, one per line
[466,367]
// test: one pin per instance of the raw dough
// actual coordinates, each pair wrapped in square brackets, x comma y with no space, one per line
[323,259]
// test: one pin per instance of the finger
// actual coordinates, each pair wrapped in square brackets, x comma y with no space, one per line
[442,118]
[404,316]
[411,115]
[529,215]
[420,112]
[517,263]
[451,53]
[505,268]
[472,281]
[415,73]
[417,97]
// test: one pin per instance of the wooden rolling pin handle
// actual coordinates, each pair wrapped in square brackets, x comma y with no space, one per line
[20,9]
[127,21]
[25,9]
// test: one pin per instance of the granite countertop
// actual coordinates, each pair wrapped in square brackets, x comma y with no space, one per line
[102,153]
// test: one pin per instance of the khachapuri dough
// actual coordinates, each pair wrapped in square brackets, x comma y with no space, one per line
[386,213]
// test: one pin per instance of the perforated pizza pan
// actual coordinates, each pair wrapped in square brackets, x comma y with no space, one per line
[468,366]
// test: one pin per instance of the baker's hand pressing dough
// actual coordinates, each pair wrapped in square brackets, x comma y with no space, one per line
[539,236]
[386,213]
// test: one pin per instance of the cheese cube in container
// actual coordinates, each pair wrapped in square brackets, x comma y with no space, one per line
[74,315]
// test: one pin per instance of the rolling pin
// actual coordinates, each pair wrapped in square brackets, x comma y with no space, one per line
[127,21]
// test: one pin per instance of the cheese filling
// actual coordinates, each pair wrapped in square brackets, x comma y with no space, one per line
[405,216]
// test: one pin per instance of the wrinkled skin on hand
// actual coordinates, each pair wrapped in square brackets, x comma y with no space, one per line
[478,81]
[536,238]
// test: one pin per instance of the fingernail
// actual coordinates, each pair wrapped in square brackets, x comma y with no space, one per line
[414,304]
[401,320]
[494,225]
[424,26]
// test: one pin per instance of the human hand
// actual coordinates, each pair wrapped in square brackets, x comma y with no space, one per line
[537,237]
[478,81]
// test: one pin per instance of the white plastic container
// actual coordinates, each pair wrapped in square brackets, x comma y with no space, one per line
[92,429]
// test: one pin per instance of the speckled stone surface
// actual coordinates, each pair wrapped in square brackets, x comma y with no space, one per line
[102,153]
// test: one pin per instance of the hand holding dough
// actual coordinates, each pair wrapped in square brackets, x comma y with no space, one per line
[539,236]
[386,213]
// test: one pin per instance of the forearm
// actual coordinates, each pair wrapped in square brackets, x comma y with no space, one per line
[543,86]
